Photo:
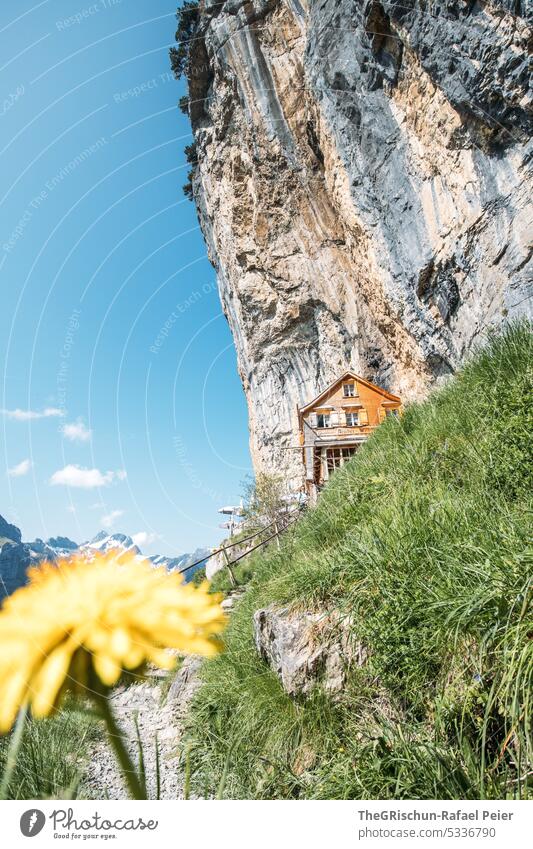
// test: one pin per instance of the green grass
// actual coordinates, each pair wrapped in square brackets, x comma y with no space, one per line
[53,755]
[423,540]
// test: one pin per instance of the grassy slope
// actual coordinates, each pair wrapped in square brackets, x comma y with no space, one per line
[52,759]
[422,540]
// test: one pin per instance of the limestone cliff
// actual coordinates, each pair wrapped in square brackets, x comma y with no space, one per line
[362,185]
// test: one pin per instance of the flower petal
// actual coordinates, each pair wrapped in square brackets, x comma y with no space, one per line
[49,679]
[107,669]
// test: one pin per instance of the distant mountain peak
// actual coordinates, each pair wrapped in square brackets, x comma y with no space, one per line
[104,542]
[62,542]
[98,538]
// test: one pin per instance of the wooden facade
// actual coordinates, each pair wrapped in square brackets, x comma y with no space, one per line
[337,422]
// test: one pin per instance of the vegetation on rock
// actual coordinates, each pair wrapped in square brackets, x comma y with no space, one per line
[187,16]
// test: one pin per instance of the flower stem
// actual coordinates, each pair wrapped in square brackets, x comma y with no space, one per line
[117,740]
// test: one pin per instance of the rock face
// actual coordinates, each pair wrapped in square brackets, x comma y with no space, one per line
[362,185]
[17,556]
[305,649]
[8,531]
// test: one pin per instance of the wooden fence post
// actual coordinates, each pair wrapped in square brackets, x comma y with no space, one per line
[228,566]
[276,529]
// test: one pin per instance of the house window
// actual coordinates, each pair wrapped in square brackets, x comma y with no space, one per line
[336,457]
[352,419]
[322,420]
[394,413]
[333,459]
[348,390]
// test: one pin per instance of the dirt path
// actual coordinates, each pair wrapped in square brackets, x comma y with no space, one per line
[157,711]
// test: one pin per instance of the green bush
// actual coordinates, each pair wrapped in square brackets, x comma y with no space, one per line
[423,540]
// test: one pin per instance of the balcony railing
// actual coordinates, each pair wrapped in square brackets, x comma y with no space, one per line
[343,430]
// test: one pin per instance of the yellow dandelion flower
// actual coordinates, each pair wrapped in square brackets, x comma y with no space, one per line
[78,623]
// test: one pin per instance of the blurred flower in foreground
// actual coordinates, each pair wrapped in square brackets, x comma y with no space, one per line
[80,624]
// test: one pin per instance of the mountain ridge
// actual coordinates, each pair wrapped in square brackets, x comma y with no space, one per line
[17,556]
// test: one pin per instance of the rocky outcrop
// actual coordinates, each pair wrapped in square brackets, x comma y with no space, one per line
[362,184]
[306,649]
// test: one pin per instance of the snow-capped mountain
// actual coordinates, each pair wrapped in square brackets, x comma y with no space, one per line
[104,542]
[55,548]
[186,563]
[17,556]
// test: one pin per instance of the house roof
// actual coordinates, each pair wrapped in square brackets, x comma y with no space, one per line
[352,376]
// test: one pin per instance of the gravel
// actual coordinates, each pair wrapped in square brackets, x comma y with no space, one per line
[158,712]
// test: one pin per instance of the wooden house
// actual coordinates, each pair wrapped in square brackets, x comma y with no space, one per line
[337,422]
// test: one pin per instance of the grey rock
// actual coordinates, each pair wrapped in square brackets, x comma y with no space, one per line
[306,649]
[185,682]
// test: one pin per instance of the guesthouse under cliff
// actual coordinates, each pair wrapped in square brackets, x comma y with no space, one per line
[334,425]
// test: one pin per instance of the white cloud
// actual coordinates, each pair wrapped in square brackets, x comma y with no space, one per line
[28,415]
[20,470]
[122,474]
[76,432]
[109,520]
[82,478]
[71,508]
[144,538]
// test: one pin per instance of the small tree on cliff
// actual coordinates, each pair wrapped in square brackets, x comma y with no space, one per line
[265,501]
[187,17]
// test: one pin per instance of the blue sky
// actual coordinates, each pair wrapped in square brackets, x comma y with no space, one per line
[121,403]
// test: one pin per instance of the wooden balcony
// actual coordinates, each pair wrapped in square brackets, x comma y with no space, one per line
[324,434]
